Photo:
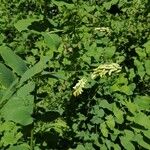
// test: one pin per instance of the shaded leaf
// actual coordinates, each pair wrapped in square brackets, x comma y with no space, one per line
[6,76]
[23,24]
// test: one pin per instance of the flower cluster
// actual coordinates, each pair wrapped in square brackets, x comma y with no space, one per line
[99,71]
[103,29]
[106,69]
[78,88]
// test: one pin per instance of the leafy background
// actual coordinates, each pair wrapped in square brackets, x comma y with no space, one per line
[46,47]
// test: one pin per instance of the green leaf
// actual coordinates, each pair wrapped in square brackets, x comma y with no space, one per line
[104,130]
[11,138]
[52,40]
[107,5]
[141,53]
[115,88]
[129,134]
[122,80]
[118,114]
[132,74]
[121,85]
[142,120]
[57,76]
[88,146]
[1,38]
[147,133]
[97,111]
[126,89]
[96,120]
[132,107]
[2,91]
[147,66]
[13,60]
[103,147]
[139,139]
[143,102]
[9,92]
[140,68]
[66,62]
[126,143]
[8,126]
[23,24]
[86,59]
[20,147]
[18,110]
[6,76]
[11,133]
[110,51]
[26,89]
[80,147]
[37,68]
[147,47]
[100,113]
[62,3]
[109,144]
[110,122]
[105,104]
[116,147]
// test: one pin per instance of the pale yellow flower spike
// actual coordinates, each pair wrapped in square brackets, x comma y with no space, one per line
[78,88]
[103,29]
[103,69]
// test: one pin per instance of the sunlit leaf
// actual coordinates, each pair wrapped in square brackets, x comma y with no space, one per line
[13,60]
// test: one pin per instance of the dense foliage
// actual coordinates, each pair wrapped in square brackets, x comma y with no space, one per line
[75,74]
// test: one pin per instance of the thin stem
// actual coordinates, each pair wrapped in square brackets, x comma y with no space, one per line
[32,130]
[31,138]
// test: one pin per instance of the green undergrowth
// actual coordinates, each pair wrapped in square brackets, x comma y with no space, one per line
[75,75]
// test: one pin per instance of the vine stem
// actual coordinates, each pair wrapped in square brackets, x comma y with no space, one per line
[32,130]
[31,138]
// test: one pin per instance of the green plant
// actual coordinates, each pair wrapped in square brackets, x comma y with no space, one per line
[74,74]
